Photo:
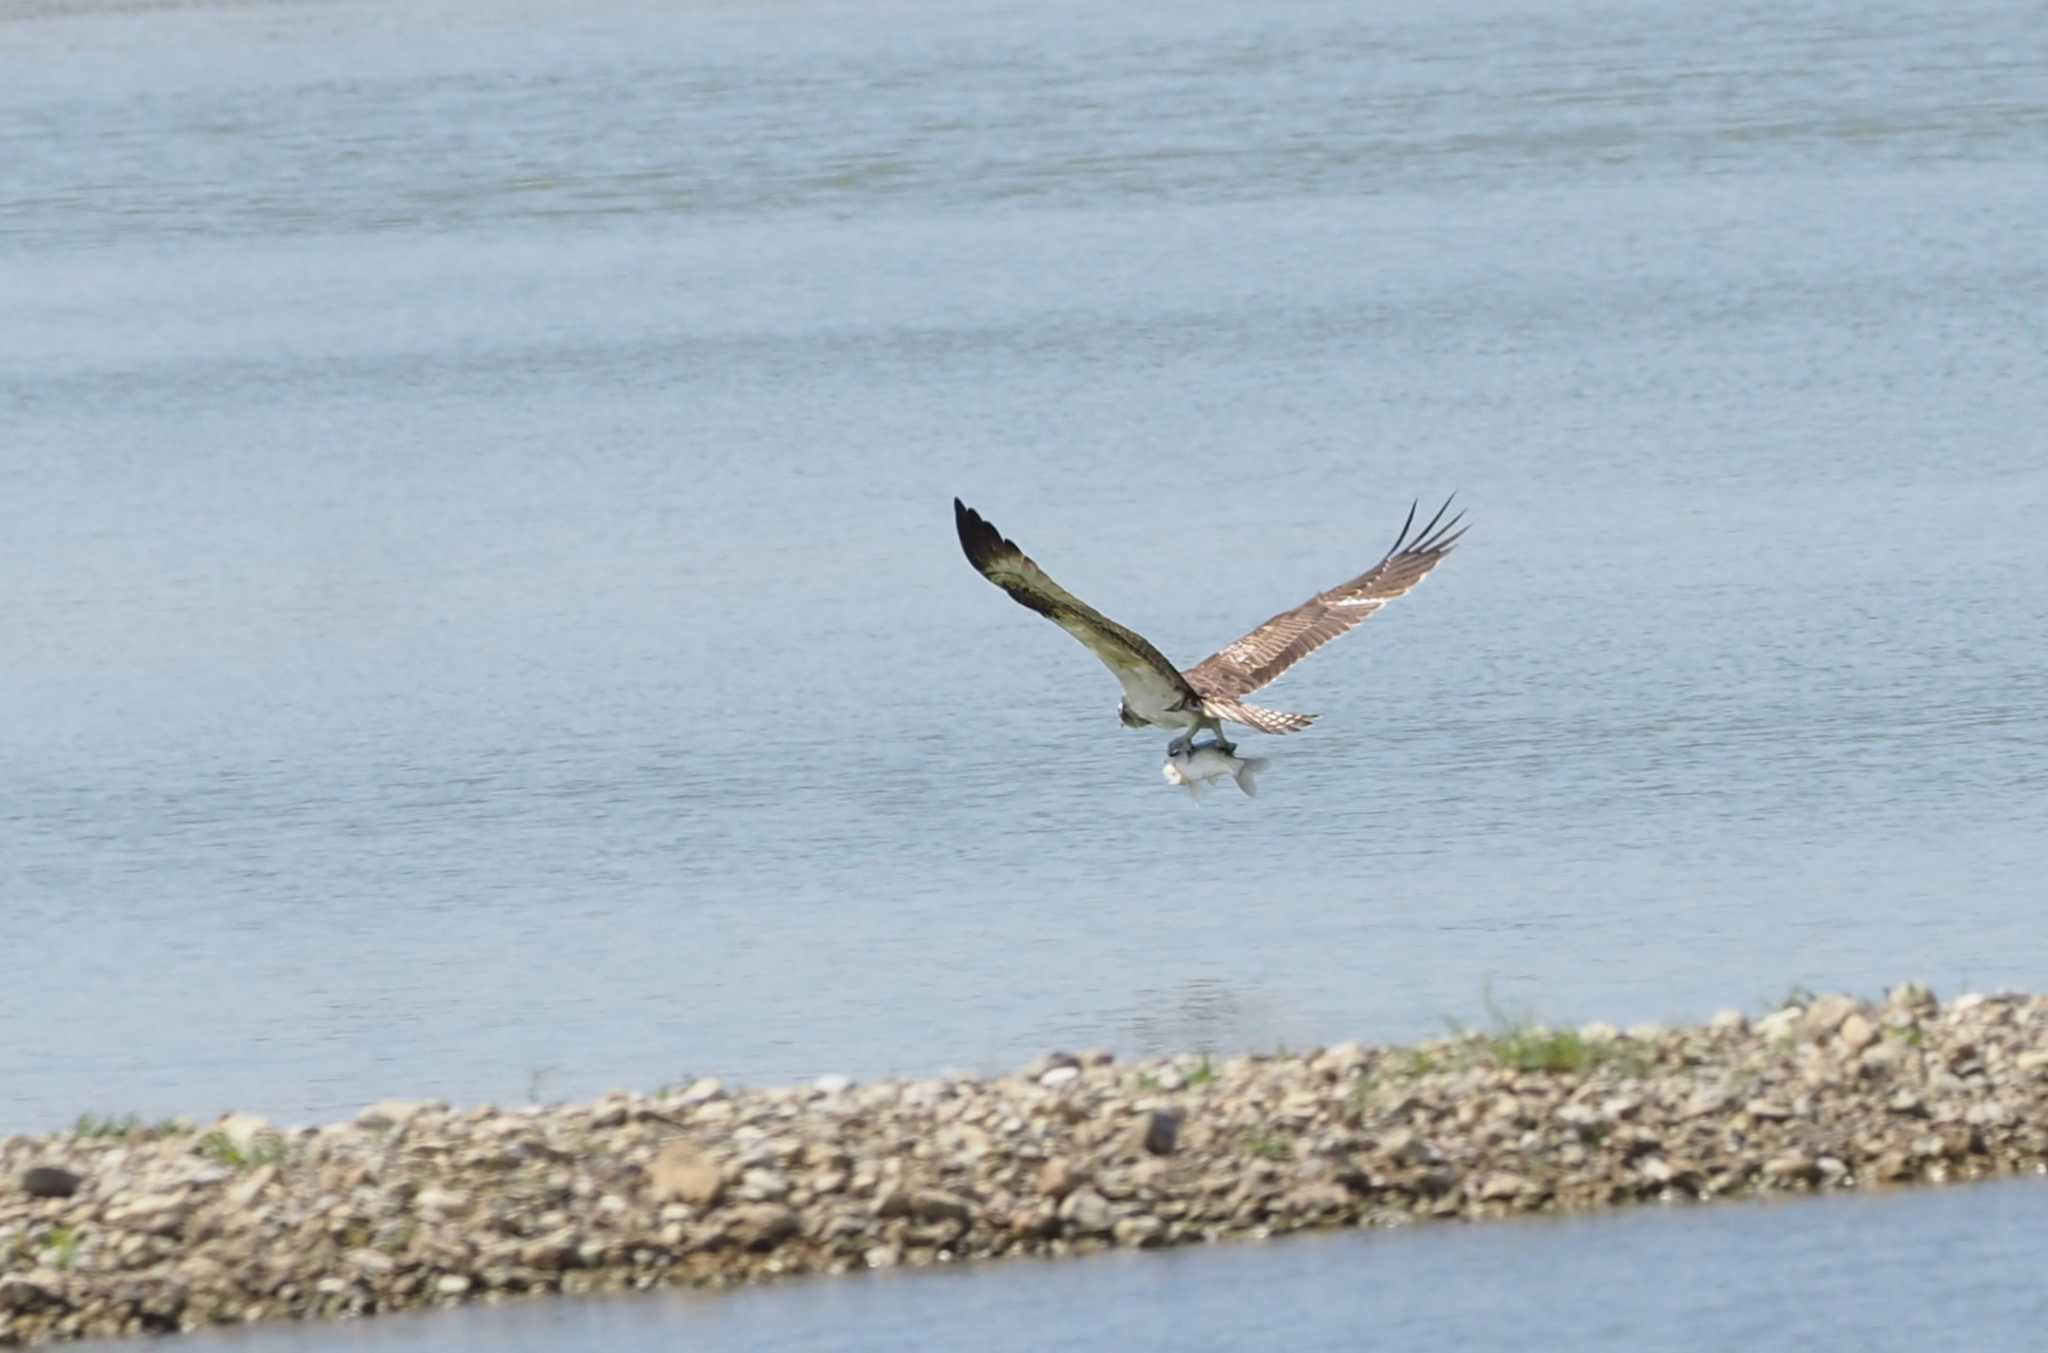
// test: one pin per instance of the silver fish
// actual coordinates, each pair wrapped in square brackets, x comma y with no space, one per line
[1206,761]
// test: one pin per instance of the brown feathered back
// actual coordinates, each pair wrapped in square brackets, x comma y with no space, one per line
[1243,666]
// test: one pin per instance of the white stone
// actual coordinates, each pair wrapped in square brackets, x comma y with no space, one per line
[390,1113]
[242,1129]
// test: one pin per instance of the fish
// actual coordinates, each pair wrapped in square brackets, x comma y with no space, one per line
[1205,761]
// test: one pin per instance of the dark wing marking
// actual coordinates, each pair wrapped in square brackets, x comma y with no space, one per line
[1124,652]
[1249,663]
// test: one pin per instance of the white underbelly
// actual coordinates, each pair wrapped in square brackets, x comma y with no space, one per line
[1161,715]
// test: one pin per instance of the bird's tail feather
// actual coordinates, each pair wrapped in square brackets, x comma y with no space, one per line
[1251,716]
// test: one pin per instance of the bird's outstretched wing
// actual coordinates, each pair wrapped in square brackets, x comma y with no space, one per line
[1249,663]
[1138,666]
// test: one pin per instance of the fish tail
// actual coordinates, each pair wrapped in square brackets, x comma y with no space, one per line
[1247,775]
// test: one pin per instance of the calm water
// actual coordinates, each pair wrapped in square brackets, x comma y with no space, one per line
[480,603]
[1908,1273]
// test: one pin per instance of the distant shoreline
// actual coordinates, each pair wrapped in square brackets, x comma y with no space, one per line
[120,1227]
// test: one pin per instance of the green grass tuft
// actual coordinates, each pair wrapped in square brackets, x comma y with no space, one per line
[1268,1148]
[264,1150]
[61,1244]
[104,1126]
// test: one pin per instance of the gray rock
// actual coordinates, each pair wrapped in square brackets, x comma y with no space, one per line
[701,1091]
[882,1256]
[373,1262]
[833,1084]
[763,1185]
[1139,1232]
[1160,1131]
[1793,1167]
[50,1181]
[1908,1103]
[1503,1186]
[244,1191]
[1086,1212]
[1728,1021]
[434,1201]
[1060,1075]
[1058,1177]
[1320,1198]
[390,1113]
[552,1252]
[1825,1016]
[762,1226]
[939,1205]
[37,1290]
[451,1284]
[161,1214]
[1708,1099]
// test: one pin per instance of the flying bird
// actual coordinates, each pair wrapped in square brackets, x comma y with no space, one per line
[1209,694]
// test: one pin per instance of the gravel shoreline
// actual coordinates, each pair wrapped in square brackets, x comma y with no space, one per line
[123,1228]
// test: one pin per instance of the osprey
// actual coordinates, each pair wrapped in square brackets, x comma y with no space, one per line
[1208,695]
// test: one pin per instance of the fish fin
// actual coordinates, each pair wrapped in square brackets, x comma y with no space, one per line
[1247,775]
[1194,788]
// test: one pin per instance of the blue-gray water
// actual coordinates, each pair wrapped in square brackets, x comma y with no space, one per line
[480,608]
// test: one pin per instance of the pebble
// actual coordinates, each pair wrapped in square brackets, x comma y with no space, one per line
[391,1113]
[242,1130]
[1160,1131]
[1779,1024]
[1857,1033]
[1086,1212]
[686,1174]
[1070,1155]
[50,1181]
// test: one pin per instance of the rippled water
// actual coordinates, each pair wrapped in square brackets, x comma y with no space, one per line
[482,616]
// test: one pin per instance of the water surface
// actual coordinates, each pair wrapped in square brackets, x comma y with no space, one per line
[482,616]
